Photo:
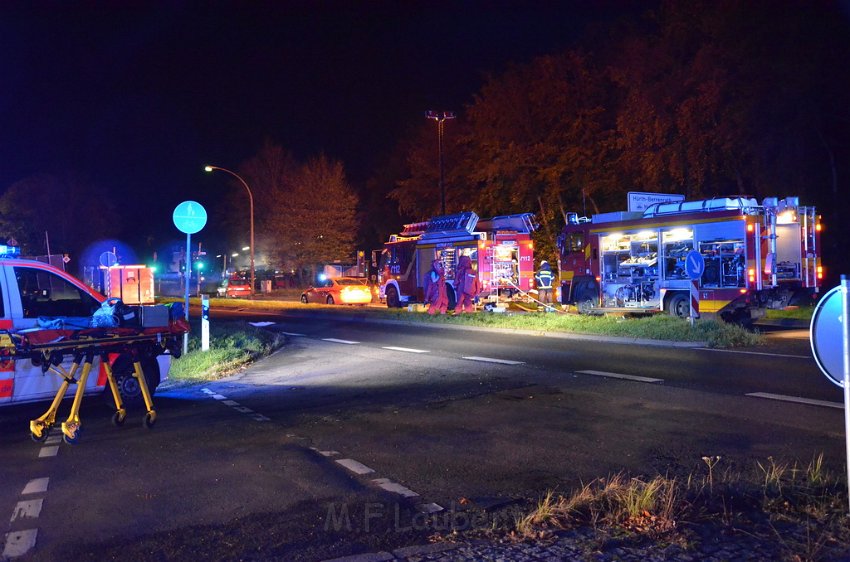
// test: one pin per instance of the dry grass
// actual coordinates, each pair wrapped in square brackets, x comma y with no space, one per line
[800,508]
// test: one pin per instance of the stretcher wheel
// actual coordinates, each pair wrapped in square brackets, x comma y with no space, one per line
[118,419]
[149,420]
[72,440]
[41,439]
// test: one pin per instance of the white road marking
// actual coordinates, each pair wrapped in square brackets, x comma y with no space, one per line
[207,391]
[797,399]
[260,417]
[51,451]
[493,360]
[230,402]
[294,334]
[407,349]
[329,453]
[27,508]
[430,508]
[754,353]
[53,440]
[261,324]
[36,486]
[334,340]
[354,466]
[19,543]
[619,376]
[218,397]
[395,488]
[243,409]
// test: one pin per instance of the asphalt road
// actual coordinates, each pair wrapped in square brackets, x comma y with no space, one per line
[337,443]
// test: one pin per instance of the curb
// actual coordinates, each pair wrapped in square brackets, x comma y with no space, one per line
[363,318]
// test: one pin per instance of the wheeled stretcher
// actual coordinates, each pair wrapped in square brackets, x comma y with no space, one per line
[48,349]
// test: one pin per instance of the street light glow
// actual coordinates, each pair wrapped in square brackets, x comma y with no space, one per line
[209,168]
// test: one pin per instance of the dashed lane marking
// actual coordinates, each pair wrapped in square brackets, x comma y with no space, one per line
[51,451]
[755,353]
[394,487]
[493,360]
[407,349]
[294,334]
[797,399]
[36,486]
[19,543]
[619,376]
[354,466]
[218,396]
[53,440]
[260,418]
[230,402]
[430,508]
[243,409]
[27,509]
[334,340]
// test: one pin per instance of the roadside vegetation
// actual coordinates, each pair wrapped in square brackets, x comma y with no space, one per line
[658,327]
[798,508]
[233,345]
[792,313]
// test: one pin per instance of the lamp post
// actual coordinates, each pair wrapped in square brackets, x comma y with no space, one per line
[251,208]
[440,117]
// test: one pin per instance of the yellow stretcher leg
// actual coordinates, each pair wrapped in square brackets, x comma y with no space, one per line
[40,427]
[120,412]
[150,416]
[71,426]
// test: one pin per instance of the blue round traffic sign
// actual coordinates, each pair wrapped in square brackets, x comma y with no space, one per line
[189,217]
[826,335]
[694,264]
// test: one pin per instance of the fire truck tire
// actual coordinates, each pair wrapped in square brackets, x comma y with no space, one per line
[584,304]
[128,385]
[330,300]
[303,299]
[679,305]
[392,298]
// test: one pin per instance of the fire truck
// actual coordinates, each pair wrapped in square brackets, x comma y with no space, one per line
[500,248]
[756,256]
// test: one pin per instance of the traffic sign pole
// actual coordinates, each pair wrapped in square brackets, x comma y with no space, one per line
[189,217]
[845,308]
[188,276]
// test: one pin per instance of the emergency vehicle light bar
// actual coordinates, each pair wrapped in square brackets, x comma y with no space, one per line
[9,251]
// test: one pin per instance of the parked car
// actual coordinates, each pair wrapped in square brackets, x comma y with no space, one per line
[234,288]
[339,290]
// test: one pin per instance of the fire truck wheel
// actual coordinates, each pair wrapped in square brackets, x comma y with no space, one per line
[392,298]
[330,300]
[303,299]
[679,305]
[585,304]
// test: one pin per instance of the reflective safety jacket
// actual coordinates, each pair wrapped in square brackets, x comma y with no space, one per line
[544,278]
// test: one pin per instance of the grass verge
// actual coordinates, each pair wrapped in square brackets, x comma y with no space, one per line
[233,344]
[658,327]
[797,509]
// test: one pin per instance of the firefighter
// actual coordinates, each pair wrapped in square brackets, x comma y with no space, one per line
[435,292]
[544,279]
[467,286]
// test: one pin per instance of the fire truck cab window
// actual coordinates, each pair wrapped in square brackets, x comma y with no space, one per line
[44,293]
[575,243]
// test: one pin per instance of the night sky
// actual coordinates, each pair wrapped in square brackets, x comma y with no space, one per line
[137,98]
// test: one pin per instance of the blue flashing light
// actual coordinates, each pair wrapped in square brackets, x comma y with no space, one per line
[9,251]
[322,277]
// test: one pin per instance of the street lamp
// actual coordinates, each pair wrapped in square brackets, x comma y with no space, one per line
[251,208]
[440,117]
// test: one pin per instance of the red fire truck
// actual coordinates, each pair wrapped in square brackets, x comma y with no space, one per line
[756,256]
[500,247]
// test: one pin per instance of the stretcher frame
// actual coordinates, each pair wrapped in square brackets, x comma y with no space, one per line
[48,349]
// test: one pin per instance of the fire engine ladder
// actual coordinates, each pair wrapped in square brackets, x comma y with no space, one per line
[50,356]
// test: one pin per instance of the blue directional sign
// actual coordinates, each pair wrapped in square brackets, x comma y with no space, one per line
[189,217]
[694,264]
[826,336]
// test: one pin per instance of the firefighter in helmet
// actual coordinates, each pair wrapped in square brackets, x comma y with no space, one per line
[544,279]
